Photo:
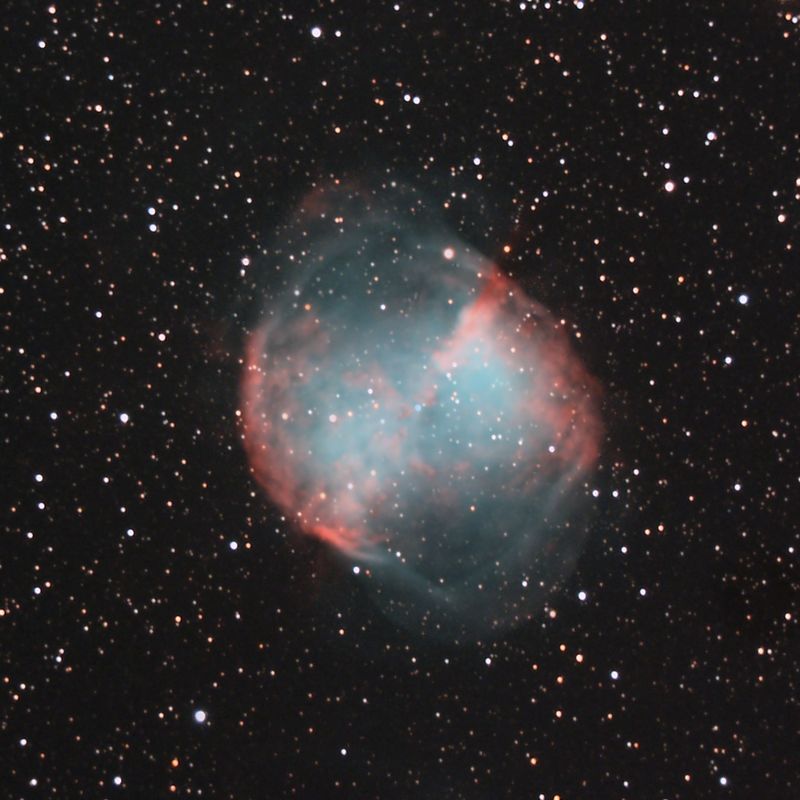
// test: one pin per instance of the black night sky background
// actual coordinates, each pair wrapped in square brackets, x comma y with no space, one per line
[165,631]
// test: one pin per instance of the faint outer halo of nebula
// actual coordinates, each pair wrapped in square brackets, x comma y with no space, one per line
[407,403]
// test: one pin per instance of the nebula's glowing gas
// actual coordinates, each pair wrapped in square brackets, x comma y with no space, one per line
[408,404]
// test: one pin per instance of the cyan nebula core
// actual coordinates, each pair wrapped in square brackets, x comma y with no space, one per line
[410,405]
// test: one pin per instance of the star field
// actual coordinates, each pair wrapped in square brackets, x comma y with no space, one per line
[166,629]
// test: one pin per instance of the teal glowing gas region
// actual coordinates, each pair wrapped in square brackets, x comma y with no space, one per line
[407,403]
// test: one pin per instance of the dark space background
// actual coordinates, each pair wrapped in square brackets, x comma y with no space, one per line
[140,654]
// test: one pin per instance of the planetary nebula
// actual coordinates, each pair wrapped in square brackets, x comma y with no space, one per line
[407,403]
